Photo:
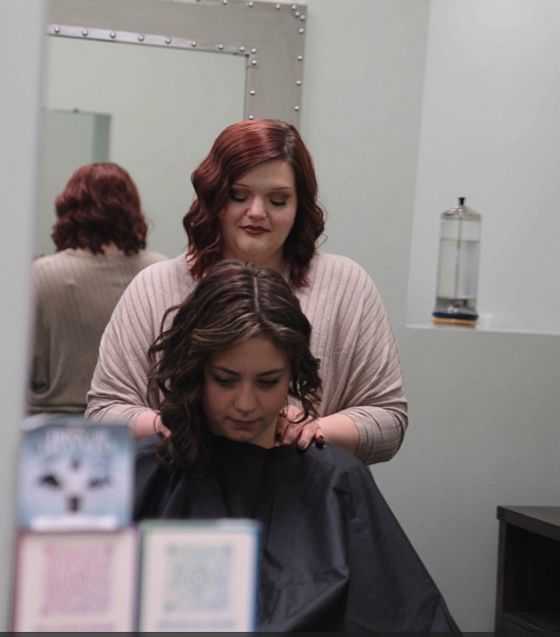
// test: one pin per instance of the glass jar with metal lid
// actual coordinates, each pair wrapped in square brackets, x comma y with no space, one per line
[457,274]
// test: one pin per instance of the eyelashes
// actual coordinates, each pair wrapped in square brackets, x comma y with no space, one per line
[241,197]
[238,197]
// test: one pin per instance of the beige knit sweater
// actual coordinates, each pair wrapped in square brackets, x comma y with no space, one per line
[351,335]
[75,293]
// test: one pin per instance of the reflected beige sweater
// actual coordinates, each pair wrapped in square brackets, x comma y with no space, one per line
[75,293]
[351,335]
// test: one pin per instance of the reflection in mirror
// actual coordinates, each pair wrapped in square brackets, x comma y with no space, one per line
[100,236]
[164,105]
[71,139]
[148,86]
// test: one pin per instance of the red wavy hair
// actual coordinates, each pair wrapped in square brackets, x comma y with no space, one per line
[100,205]
[237,149]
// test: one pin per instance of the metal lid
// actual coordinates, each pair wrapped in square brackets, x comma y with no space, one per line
[462,210]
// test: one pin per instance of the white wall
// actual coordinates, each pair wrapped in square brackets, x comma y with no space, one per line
[363,79]
[19,117]
[490,131]
[483,407]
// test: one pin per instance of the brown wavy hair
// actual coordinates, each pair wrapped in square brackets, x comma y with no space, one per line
[100,205]
[238,149]
[233,302]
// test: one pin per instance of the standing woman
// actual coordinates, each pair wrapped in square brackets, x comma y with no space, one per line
[256,201]
[100,238]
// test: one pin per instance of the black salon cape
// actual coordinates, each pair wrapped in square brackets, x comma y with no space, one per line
[334,557]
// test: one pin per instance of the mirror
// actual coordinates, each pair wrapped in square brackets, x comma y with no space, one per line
[146,84]
[167,80]
[158,132]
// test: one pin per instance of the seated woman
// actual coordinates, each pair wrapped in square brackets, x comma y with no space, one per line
[333,558]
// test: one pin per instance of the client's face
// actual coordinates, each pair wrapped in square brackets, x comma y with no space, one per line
[245,387]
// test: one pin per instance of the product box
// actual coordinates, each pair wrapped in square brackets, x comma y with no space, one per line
[75,581]
[198,576]
[74,474]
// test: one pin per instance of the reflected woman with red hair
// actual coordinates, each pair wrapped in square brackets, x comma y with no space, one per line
[257,202]
[100,238]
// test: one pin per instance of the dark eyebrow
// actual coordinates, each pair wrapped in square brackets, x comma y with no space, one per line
[225,370]
[272,372]
[239,184]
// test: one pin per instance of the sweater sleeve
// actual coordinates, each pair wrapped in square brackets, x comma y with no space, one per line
[118,389]
[362,369]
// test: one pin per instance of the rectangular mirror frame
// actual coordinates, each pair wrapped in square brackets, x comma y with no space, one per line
[270,36]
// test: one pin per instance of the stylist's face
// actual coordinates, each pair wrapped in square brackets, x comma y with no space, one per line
[259,214]
[245,387]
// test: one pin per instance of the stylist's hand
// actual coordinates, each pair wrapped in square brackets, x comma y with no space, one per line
[291,431]
[148,423]
[159,428]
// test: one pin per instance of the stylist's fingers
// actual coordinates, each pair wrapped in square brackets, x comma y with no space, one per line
[159,428]
[164,431]
[282,425]
[311,432]
[288,427]
[292,433]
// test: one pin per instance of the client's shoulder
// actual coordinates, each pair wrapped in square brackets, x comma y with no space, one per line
[333,460]
[147,461]
[151,479]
